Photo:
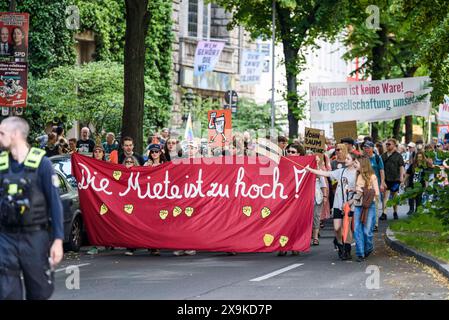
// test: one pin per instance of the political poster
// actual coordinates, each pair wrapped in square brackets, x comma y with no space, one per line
[314,139]
[206,56]
[219,127]
[347,129]
[13,59]
[14,37]
[369,101]
[13,84]
[251,67]
[198,204]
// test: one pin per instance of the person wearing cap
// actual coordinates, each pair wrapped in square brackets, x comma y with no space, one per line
[350,145]
[155,156]
[378,168]
[411,152]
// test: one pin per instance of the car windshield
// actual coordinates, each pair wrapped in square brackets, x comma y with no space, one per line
[64,166]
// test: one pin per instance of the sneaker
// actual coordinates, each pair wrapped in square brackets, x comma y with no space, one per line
[93,250]
[190,252]
[368,253]
[383,216]
[395,216]
[129,252]
[155,252]
[410,213]
[376,229]
[360,259]
[282,253]
[179,252]
[295,253]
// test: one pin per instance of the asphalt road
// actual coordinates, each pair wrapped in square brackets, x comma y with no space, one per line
[318,274]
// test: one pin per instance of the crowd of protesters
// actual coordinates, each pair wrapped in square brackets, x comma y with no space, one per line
[354,179]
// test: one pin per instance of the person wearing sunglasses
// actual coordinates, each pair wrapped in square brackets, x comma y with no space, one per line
[155,156]
[295,149]
[394,167]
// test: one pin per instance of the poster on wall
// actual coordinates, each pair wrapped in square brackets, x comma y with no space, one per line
[14,29]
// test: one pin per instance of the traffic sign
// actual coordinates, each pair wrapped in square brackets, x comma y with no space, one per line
[231,97]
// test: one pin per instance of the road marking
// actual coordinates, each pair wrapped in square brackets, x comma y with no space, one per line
[275,273]
[71,266]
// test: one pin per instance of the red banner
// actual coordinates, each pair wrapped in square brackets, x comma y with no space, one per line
[230,204]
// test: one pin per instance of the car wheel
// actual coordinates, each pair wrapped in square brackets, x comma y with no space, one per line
[75,237]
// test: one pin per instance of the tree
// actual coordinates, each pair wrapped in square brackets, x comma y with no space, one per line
[91,93]
[396,49]
[137,22]
[299,24]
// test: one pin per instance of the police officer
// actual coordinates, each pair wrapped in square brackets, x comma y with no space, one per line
[28,193]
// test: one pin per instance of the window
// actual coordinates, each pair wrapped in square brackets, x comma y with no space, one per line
[193,18]
[206,21]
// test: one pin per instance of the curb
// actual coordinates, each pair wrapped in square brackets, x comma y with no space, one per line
[430,261]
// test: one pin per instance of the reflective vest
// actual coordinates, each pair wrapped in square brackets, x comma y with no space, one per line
[23,203]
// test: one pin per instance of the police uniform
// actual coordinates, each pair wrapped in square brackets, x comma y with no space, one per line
[28,192]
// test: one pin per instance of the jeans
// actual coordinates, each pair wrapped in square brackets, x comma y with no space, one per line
[363,233]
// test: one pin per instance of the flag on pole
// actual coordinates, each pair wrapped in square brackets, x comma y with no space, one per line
[188,134]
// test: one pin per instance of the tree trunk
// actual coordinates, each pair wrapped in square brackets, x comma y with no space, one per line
[409,119]
[379,68]
[375,131]
[137,21]
[408,129]
[291,69]
[292,92]
[397,129]
[12,6]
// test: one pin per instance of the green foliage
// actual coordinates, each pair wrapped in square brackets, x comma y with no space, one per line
[298,25]
[252,116]
[106,18]
[436,191]
[91,93]
[50,42]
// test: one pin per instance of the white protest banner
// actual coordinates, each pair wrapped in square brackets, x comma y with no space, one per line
[443,114]
[369,101]
[206,56]
[251,67]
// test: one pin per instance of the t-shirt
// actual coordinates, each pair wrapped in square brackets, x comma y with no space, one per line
[392,165]
[337,165]
[85,146]
[377,165]
[346,181]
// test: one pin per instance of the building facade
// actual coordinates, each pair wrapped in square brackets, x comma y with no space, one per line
[195,20]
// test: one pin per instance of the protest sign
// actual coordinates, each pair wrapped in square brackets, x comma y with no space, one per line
[369,100]
[198,205]
[314,139]
[219,128]
[251,67]
[206,56]
[347,129]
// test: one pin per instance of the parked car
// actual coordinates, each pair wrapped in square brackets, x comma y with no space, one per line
[74,232]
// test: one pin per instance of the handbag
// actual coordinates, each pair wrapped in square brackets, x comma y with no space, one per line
[367,200]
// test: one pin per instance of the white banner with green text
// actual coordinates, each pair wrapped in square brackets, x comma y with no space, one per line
[369,101]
